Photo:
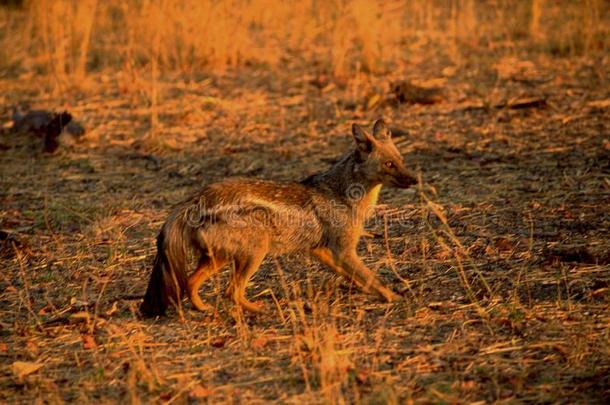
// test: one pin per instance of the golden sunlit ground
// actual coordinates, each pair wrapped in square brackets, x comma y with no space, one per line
[502,253]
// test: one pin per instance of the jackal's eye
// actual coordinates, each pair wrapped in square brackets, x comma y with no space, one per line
[389,165]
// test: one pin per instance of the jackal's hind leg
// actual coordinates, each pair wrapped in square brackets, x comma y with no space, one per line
[206,268]
[350,266]
[245,267]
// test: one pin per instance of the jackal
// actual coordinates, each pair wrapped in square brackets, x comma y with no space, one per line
[243,220]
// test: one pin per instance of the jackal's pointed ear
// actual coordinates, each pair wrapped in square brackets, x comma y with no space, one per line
[381,130]
[362,138]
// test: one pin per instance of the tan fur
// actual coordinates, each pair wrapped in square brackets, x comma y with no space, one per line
[244,220]
[372,196]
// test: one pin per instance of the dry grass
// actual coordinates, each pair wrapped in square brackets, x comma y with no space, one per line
[67,39]
[501,253]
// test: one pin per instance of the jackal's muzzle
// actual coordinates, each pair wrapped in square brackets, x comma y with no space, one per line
[405,180]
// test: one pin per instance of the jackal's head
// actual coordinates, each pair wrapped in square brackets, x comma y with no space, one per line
[378,159]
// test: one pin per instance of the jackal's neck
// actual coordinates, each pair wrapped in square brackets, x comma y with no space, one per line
[347,184]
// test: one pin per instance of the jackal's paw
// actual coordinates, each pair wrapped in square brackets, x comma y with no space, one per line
[200,306]
[254,307]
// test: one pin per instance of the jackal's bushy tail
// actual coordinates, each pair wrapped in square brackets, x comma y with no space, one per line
[169,275]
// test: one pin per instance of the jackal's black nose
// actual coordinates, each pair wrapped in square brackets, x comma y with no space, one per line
[405,181]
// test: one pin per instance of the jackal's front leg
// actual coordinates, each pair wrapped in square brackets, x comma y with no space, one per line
[350,266]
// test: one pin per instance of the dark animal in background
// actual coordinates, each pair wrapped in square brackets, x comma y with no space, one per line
[408,93]
[48,125]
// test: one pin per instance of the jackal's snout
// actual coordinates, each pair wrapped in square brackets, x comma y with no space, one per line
[404,179]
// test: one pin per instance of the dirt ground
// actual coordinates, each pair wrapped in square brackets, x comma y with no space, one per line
[502,252]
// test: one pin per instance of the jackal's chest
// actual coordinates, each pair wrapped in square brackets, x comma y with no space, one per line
[366,207]
[372,196]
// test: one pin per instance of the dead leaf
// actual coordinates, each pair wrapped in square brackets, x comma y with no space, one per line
[32,348]
[43,310]
[469,385]
[442,255]
[373,101]
[363,376]
[22,369]
[89,342]
[435,305]
[329,87]
[112,309]
[3,348]
[601,104]
[200,392]
[449,71]
[80,317]
[490,251]
[259,342]
[525,102]
[292,101]
[504,245]
[511,67]
[166,395]
[219,341]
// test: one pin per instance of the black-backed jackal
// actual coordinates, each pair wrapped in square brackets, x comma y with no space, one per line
[243,220]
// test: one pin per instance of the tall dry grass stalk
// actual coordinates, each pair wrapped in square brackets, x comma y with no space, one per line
[157,17]
[537,8]
[593,23]
[464,22]
[87,15]
[369,29]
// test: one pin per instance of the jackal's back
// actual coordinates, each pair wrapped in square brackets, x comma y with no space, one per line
[235,215]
